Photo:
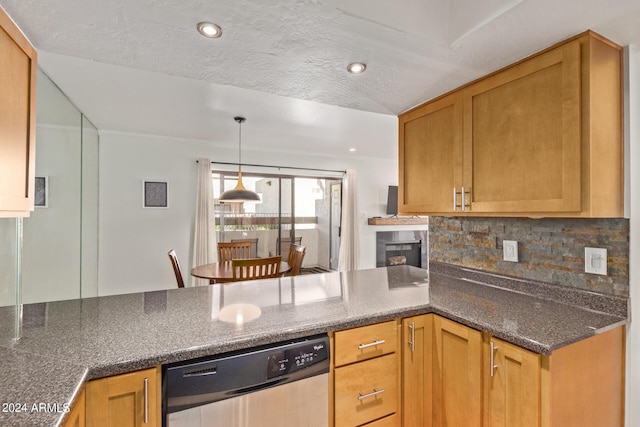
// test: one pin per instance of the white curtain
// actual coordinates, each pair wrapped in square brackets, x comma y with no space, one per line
[204,239]
[349,255]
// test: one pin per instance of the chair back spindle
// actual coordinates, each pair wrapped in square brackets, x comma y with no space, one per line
[256,268]
[228,251]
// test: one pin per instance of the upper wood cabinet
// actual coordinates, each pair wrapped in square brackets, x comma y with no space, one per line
[542,137]
[17,120]
[431,155]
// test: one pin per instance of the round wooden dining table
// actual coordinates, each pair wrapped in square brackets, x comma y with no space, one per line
[220,272]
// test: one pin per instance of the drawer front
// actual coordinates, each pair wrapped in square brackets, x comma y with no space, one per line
[366,391]
[363,343]
[390,421]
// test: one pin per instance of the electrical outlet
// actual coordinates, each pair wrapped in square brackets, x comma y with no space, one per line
[595,261]
[510,250]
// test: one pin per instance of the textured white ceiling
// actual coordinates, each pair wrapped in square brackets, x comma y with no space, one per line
[140,66]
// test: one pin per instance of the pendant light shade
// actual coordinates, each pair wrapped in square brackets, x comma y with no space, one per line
[239,194]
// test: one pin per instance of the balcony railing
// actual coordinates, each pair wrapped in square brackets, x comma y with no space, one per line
[264,221]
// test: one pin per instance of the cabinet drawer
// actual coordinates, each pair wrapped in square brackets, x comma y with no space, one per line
[365,342]
[366,391]
[390,421]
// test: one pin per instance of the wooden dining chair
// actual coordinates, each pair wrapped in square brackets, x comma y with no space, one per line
[294,258]
[176,268]
[253,253]
[284,243]
[256,268]
[233,250]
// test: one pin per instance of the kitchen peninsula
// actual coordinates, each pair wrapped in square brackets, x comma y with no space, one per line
[65,344]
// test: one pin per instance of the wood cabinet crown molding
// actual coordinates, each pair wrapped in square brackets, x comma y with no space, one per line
[539,138]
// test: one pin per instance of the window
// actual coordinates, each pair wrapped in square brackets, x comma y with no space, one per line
[299,209]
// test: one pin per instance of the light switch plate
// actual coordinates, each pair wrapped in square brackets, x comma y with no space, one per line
[595,261]
[510,250]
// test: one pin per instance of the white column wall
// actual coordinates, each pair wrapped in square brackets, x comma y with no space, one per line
[134,241]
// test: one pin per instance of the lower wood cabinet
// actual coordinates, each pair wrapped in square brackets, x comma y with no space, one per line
[132,399]
[457,375]
[511,385]
[582,384]
[367,391]
[76,416]
[417,357]
[365,372]
[438,373]
[453,375]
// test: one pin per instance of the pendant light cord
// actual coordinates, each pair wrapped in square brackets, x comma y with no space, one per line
[240,145]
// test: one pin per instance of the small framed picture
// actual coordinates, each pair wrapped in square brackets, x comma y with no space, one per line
[155,194]
[41,193]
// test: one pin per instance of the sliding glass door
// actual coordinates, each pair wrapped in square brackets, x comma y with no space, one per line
[293,209]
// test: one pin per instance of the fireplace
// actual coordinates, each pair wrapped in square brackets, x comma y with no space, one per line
[410,247]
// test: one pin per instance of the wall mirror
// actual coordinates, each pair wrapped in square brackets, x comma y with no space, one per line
[53,254]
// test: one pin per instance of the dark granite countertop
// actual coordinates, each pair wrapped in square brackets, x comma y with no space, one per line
[65,343]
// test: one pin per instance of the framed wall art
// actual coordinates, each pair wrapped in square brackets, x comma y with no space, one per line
[41,192]
[155,194]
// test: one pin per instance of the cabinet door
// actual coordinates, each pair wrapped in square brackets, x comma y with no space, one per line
[125,400]
[512,385]
[522,136]
[430,156]
[17,120]
[457,375]
[76,417]
[417,351]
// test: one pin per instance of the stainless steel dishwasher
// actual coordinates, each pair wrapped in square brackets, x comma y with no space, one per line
[285,384]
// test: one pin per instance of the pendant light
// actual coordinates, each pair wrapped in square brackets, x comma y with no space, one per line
[239,194]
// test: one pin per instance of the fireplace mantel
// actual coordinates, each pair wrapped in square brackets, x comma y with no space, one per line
[403,220]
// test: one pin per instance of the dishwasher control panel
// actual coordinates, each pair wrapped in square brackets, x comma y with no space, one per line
[225,376]
[303,355]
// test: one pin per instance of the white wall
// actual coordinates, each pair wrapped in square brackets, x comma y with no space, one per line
[632,117]
[51,244]
[134,241]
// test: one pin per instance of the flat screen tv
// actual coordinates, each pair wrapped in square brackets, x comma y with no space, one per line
[392,200]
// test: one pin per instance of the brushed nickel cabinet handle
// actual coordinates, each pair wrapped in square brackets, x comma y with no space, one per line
[146,400]
[493,349]
[374,393]
[372,344]
[455,205]
[463,203]
[412,327]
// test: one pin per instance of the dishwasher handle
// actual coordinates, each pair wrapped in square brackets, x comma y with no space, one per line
[257,387]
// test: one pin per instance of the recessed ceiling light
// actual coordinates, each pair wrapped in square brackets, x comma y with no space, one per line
[209,29]
[356,67]
[352,149]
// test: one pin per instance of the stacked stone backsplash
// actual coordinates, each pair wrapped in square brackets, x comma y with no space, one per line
[550,250]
